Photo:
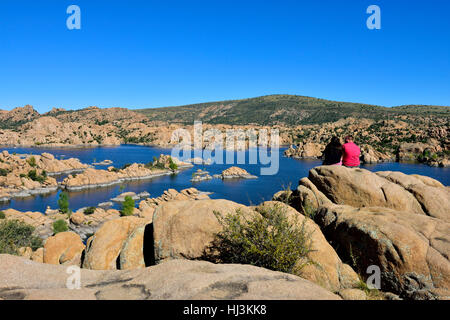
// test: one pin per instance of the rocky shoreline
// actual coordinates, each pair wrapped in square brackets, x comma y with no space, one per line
[118,181]
[33,174]
[22,176]
[230,173]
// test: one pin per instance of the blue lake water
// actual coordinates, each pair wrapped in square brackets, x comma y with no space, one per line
[252,191]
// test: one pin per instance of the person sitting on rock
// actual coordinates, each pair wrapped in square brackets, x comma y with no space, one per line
[351,154]
[333,152]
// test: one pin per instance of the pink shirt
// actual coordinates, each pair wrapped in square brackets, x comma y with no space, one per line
[351,154]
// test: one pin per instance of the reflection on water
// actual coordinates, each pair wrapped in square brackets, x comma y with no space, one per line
[252,191]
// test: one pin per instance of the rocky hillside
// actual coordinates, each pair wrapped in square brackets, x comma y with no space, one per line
[89,126]
[17,116]
[286,110]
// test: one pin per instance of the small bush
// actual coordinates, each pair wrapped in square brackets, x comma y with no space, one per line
[89,210]
[127,207]
[63,202]
[32,174]
[32,161]
[2,215]
[172,165]
[60,226]
[269,240]
[15,234]
[3,172]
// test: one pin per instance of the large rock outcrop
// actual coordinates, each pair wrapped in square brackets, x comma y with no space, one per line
[185,229]
[177,279]
[307,150]
[370,155]
[109,247]
[63,248]
[389,219]
[362,188]
[411,250]
[236,173]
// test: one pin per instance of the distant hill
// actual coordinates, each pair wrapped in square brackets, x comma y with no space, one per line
[284,110]
[17,116]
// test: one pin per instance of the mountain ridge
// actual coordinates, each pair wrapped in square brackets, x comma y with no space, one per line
[283,109]
[264,110]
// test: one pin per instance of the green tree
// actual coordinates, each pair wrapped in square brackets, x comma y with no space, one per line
[63,202]
[127,206]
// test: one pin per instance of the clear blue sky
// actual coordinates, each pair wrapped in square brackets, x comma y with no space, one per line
[141,54]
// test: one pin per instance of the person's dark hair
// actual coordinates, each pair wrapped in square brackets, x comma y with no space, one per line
[335,141]
[333,151]
[348,138]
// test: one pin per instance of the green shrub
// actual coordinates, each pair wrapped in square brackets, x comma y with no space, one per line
[172,165]
[32,174]
[63,202]
[159,165]
[2,215]
[60,226]
[15,234]
[32,161]
[269,240]
[89,210]
[127,206]
[3,172]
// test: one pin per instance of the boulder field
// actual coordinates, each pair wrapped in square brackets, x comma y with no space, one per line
[356,219]
[397,222]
